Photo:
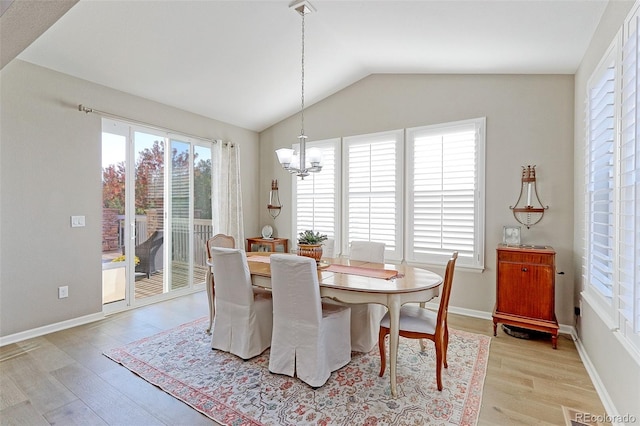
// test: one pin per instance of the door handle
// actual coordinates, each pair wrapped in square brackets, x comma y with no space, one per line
[524,269]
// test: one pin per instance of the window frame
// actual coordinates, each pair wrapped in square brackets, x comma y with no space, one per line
[325,144]
[610,309]
[400,254]
[475,260]
[603,303]
[391,254]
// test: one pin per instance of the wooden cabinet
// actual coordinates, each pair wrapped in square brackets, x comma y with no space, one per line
[525,289]
[280,245]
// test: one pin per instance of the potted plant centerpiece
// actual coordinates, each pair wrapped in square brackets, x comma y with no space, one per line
[309,244]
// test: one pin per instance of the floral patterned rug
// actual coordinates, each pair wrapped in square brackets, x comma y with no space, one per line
[236,392]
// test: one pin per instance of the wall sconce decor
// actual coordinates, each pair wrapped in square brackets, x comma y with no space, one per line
[274,205]
[531,210]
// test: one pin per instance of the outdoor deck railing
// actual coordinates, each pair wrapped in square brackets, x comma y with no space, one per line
[202,231]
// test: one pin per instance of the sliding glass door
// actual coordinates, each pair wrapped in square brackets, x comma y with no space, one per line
[156,214]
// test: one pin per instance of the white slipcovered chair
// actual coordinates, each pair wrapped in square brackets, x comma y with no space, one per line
[310,338]
[328,247]
[365,319]
[367,251]
[243,321]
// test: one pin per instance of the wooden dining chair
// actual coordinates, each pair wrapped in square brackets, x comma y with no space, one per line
[417,322]
[218,240]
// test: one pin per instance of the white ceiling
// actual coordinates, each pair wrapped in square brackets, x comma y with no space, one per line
[239,61]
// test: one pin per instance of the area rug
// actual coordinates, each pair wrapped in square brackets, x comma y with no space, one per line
[235,392]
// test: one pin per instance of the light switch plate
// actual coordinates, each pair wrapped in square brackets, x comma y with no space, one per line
[77,221]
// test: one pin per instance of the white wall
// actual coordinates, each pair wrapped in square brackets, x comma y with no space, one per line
[617,370]
[529,121]
[50,169]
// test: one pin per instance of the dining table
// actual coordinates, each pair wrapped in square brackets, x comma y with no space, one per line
[357,282]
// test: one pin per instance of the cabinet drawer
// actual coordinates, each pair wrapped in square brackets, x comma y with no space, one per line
[535,258]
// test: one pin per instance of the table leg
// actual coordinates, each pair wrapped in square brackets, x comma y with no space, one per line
[394,316]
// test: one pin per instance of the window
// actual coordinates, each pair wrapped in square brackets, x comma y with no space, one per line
[612,178]
[444,187]
[317,196]
[600,170]
[373,191]
[629,183]
[444,200]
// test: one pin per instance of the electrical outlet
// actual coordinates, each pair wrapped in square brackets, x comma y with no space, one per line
[63,292]
[576,311]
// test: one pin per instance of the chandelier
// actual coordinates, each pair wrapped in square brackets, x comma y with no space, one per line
[305,161]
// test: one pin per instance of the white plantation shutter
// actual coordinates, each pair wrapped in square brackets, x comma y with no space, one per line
[316,196]
[444,188]
[629,183]
[373,191]
[600,178]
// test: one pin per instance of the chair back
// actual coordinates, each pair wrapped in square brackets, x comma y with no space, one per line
[367,251]
[296,291]
[446,291]
[328,247]
[220,240]
[232,276]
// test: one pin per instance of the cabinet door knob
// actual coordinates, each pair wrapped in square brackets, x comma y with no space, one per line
[524,269]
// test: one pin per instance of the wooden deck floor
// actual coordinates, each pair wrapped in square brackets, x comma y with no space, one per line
[146,287]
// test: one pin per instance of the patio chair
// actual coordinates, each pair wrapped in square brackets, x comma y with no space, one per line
[150,254]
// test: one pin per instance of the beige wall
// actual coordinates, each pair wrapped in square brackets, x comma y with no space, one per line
[50,169]
[529,121]
[618,370]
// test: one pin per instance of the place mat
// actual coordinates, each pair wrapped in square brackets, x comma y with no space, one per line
[385,274]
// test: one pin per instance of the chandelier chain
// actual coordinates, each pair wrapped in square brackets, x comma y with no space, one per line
[302,80]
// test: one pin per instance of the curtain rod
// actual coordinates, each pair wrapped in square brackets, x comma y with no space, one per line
[88,110]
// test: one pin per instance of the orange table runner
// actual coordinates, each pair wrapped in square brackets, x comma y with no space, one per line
[262,259]
[385,274]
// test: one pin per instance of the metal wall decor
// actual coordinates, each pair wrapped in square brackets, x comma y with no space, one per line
[274,205]
[528,210]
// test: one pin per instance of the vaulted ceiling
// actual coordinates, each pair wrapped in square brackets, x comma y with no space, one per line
[239,61]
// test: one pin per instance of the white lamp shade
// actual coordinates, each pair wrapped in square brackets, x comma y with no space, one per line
[314,155]
[284,155]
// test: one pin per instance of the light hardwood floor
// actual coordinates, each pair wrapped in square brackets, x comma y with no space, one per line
[63,378]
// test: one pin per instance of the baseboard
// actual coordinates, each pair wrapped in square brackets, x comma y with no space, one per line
[469,312]
[564,329]
[50,328]
[609,406]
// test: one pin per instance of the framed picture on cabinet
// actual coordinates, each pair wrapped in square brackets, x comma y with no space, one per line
[511,235]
